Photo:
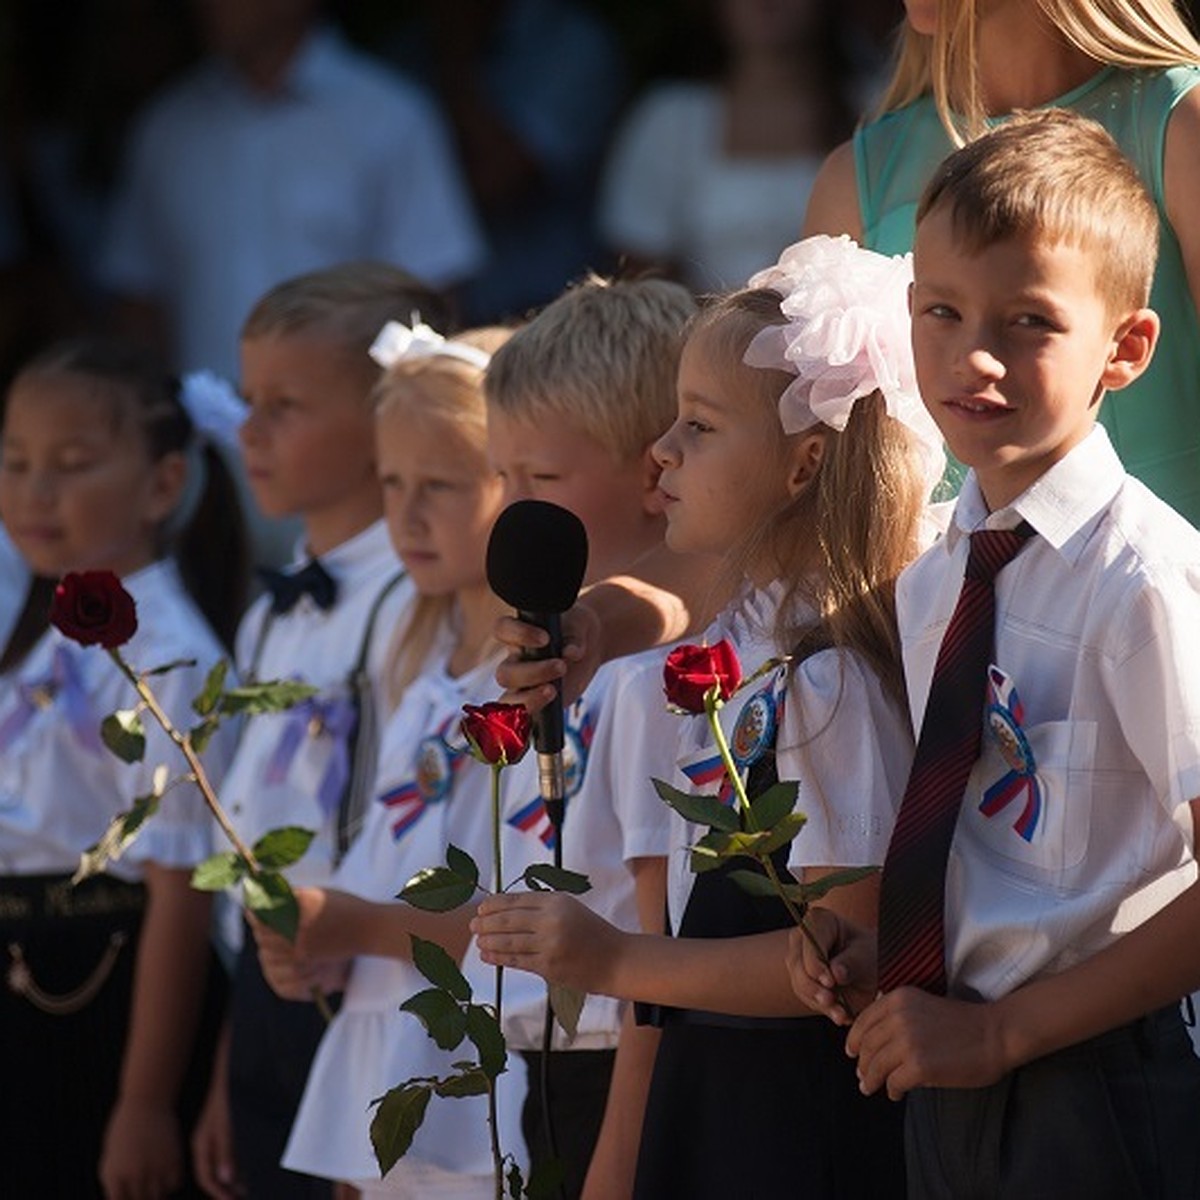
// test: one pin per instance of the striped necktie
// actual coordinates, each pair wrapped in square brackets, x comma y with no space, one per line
[912,889]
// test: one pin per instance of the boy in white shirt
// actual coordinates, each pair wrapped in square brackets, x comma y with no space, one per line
[308,447]
[1057,1062]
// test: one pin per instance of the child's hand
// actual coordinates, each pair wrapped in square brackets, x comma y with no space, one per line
[531,681]
[549,933]
[212,1138]
[849,952]
[315,960]
[142,1157]
[909,1039]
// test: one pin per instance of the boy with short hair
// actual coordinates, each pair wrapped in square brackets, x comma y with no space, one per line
[1064,933]
[308,447]
[576,398]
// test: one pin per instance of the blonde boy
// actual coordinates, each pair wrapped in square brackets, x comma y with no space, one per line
[576,398]
[1057,1062]
[308,449]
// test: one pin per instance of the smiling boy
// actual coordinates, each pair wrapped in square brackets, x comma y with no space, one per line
[1056,1062]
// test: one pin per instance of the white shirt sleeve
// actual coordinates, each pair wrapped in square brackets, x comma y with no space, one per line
[849,746]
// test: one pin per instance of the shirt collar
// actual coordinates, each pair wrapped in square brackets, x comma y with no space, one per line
[1063,505]
[356,556]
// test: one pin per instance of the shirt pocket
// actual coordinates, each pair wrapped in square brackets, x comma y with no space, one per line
[1031,811]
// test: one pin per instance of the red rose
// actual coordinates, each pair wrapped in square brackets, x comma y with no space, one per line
[498,733]
[93,609]
[690,672]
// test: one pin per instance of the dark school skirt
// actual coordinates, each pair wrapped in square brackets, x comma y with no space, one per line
[759,1108]
[68,954]
[572,1094]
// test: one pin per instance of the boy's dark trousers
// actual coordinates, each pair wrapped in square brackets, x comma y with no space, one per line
[1113,1118]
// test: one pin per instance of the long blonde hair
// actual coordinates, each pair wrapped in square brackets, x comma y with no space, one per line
[1148,33]
[446,392]
[839,545]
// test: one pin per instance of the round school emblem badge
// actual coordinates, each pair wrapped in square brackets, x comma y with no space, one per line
[1010,740]
[434,773]
[754,731]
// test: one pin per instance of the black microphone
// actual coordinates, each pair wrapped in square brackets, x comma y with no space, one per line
[536,559]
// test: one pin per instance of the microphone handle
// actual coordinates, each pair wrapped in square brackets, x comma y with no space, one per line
[548,723]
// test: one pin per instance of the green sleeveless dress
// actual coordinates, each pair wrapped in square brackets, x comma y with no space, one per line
[1154,423]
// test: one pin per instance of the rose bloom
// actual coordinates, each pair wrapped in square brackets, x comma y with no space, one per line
[94,609]
[691,672]
[498,733]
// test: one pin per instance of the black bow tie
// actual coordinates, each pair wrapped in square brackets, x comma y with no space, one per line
[287,587]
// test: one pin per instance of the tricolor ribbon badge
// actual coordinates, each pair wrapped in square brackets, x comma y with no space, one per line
[437,763]
[1004,716]
[578,733]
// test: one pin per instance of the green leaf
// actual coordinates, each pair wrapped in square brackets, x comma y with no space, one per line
[281,847]
[512,1179]
[755,883]
[784,831]
[701,810]
[200,735]
[167,668]
[395,1123]
[543,876]
[470,1081]
[567,1005]
[122,829]
[484,1031]
[441,1014]
[462,864]
[206,702]
[274,696]
[439,968]
[125,735]
[716,847]
[814,889]
[219,871]
[774,804]
[437,889]
[270,898]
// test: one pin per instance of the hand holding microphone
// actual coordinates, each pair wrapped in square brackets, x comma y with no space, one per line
[536,560]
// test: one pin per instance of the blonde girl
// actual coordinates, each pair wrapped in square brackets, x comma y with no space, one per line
[440,499]
[107,982]
[809,478]
[1131,67]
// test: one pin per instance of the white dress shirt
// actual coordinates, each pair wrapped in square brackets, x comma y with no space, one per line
[228,192]
[60,786]
[1098,632]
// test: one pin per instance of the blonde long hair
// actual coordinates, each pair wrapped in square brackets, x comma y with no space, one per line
[1145,33]
[448,393]
[841,543]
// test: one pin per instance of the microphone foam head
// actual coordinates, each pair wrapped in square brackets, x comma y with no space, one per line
[536,556]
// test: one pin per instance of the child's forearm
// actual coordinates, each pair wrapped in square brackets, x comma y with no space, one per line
[744,976]
[168,988]
[1151,966]
[386,930]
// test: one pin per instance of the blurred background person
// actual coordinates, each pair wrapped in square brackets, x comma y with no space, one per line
[531,88]
[706,178]
[283,151]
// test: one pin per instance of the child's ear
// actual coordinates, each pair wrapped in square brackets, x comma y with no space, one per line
[806,456]
[167,478]
[652,498]
[1132,348]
